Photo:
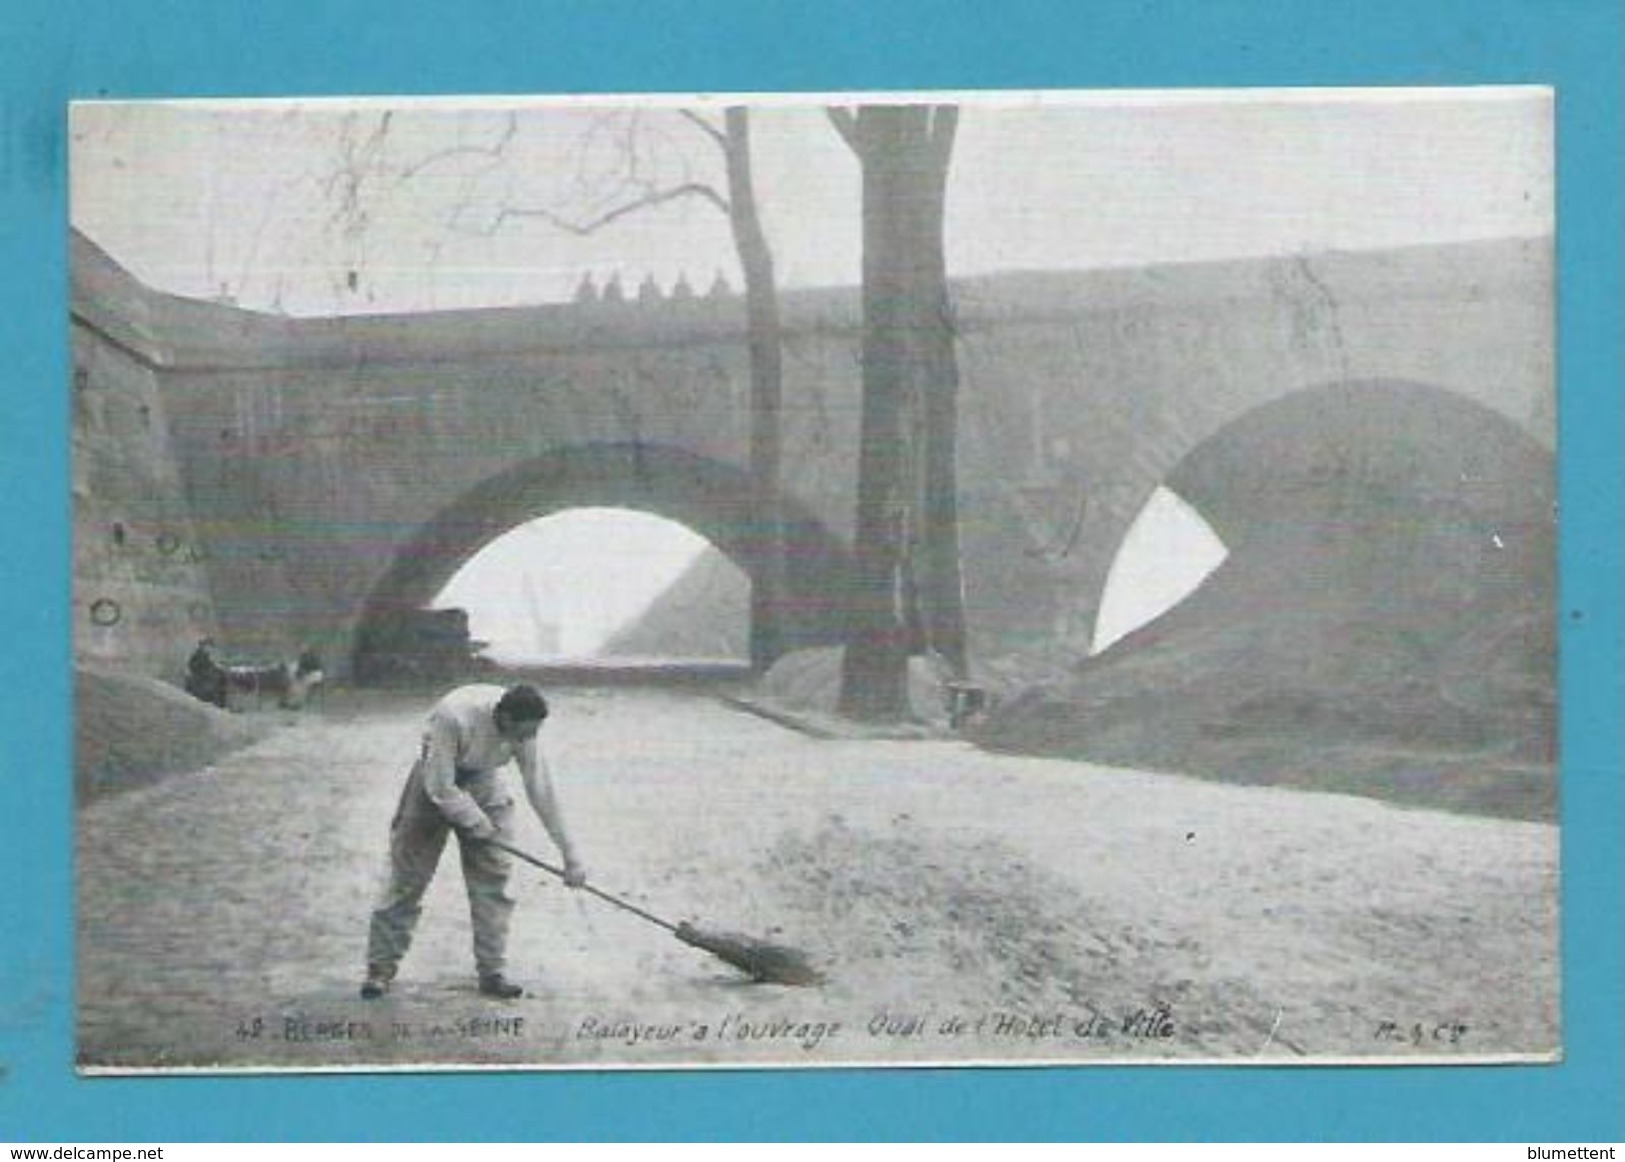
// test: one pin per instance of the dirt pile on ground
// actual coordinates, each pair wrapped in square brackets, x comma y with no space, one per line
[1383,623]
[705,613]
[129,731]
[806,686]
[1252,682]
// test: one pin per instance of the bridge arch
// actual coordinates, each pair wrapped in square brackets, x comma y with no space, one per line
[1404,500]
[710,497]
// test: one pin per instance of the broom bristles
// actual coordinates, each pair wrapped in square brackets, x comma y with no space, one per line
[758,959]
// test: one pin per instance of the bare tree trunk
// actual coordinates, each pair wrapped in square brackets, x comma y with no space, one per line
[907,522]
[874,672]
[942,596]
[764,341]
[766,390]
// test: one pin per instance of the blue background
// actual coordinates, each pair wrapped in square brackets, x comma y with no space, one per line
[53,52]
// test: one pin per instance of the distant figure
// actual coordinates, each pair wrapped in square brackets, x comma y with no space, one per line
[454,786]
[205,677]
[303,680]
[293,682]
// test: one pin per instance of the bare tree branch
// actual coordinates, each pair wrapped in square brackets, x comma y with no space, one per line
[591,225]
[356,158]
[639,155]
[707,128]
[604,195]
[510,130]
[361,165]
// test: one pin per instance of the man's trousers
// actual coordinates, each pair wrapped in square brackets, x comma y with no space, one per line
[417,838]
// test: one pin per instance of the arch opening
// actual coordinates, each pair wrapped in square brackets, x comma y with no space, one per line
[1169,550]
[399,635]
[602,585]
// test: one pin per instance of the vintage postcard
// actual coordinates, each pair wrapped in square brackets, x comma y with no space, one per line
[796,581]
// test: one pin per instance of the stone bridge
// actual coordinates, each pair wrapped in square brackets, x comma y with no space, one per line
[315,476]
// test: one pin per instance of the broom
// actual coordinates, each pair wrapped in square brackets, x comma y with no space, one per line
[757,959]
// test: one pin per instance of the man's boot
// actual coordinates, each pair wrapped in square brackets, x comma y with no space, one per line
[499,986]
[377,982]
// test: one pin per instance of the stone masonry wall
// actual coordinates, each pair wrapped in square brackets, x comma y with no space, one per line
[311,452]
[141,596]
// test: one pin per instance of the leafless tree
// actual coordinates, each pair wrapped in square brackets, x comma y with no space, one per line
[908,594]
[626,167]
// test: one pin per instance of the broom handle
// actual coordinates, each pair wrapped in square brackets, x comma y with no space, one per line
[602,895]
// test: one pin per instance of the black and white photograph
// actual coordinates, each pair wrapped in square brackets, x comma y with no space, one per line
[804,580]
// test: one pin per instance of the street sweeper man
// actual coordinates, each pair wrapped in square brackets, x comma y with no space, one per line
[455,785]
